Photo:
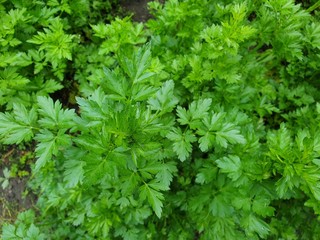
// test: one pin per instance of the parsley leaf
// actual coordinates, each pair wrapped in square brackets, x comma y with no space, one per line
[155,198]
[182,142]
[18,126]
[231,165]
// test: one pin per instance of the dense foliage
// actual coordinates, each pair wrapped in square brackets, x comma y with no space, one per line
[202,123]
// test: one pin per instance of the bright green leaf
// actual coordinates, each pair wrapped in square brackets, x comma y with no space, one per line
[231,165]
[182,142]
[155,198]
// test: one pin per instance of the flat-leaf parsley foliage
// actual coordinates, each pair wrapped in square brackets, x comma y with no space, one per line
[202,123]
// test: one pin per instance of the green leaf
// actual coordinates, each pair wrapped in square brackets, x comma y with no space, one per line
[164,100]
[212,122]
[315,190]
[162,171]
[114,83]
[73,172]
[15,59]
[253,224]
[182,142]
[143,60]
[229,133]
[54,117]
[155,198]
[48,145]
[157,185]
[18,126]
[128,33]
[97,167]
[206,141]
[165,175]
[123,202]
[199,109]
[196,112]
[8,232]
[55,42]
[10,78]
[311,176]
[184,116]
[96,108]
[49,86]
[5,179]
[242,202]
[316,144]
[34,233]
[136,67]
[91,143]
[280,142]
[219,207]
[230,165]
[261,206]
[288,181]
[207,173]
[45,148]
[141,93]
[301,136]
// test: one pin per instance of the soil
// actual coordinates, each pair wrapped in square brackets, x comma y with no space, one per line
[13,201]
[139,9]
[14,198]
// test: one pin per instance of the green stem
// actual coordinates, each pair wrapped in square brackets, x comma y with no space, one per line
[313,7]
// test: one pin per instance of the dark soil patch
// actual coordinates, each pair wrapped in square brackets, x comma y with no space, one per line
[13,201]
[139,8]
[15,197]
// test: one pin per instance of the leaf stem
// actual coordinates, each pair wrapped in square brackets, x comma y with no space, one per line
[313,7]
